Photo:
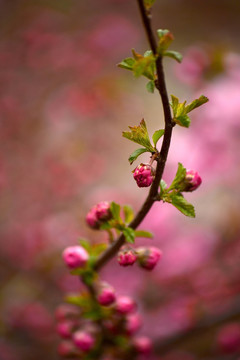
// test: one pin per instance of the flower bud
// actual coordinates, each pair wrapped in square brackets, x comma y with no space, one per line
[99,214]
[83,340]
[148,257]
[133,323]
[192,181]
[106,295]
[64,329]
[144,175]
[125,304]
[75,257]
[142,344]
[127,257]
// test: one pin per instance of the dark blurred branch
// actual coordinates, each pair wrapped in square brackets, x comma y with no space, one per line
[201,329]
[161,160]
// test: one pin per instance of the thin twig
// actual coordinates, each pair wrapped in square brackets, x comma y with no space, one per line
[161,160]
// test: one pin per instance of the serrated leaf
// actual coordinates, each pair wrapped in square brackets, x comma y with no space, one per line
[182,205]
[127,63]
[196,103]
[115,210]
[179,177]
[157,135]
[150,86]
[174,104]
[129,234]
[128,213]
[139,134]
[136,154]
[143,233]
[183,120]
[174,55]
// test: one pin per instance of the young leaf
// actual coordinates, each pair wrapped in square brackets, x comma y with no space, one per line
[128,213]
[157,135]
[136,154]
[182,205]
[150,86]
[97,249]
[174,55]
[127,63]
[129,234]
[196,103]
[148,3]
[163,186]
[143,233]
[86,245]
[144,65]
[165,39]
[179,177]
[115,210]
[139,134]
[183,120]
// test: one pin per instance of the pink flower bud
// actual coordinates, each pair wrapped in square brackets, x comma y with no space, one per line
[192,181]
[106,295]
[64,329]
[75,257]
[144,175]
[126,257]
[83,340]
[142,344]
[133,323]
[98,215]
[229,338]
[148,257]
[125,305]
[66,349]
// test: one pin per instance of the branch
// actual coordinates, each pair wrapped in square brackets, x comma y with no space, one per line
[161,160]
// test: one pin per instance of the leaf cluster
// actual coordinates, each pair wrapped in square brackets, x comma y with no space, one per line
[139,134]
[121,225]
[173,194]
[181,110]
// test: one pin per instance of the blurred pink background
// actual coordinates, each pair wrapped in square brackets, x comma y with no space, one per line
[63,106]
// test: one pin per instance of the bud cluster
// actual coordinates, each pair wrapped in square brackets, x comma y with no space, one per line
[147,257]
[81,336]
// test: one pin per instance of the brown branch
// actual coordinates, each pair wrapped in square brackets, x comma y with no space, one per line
[161,160]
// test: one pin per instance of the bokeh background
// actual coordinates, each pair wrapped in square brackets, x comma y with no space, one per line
[63,105]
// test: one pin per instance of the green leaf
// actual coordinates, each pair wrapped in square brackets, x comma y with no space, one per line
[128,213]
[148,3]
[127,63]
[183,120]
[165,39]
[144,65]
[115,210]
[150,86]
[78,300]
[174,55]
[179,177]
[163,186]
[86,245]
[139,134]
[180,110]
[157,135]
[143,233]
[97,249]
[196,103]
[182,205]
[136,154]
[129,234]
